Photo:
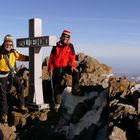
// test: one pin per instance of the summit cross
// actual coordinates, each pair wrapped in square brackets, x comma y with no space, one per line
[35,42]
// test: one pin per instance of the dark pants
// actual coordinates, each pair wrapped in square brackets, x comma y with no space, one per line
[3,93]
[58,74]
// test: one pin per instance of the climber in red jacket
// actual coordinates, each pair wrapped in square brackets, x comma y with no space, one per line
[61,61]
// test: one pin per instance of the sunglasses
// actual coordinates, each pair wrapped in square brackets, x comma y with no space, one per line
[8,44]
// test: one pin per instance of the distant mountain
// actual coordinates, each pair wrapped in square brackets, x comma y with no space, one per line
[136,78]
[131,76]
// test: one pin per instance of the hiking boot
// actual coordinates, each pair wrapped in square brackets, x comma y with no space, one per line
[3,118]
[23,109]
[79,93]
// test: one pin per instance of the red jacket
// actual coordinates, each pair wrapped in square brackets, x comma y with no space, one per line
[62,56]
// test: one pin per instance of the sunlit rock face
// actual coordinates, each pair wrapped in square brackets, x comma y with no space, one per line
[123,107]
[110,108]
[92,72]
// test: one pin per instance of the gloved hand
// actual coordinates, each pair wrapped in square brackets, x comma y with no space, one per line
[74,69]
[50,73]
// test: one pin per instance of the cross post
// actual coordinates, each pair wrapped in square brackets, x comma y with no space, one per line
[35,42]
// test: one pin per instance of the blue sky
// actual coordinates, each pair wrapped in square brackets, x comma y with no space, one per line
[108,30]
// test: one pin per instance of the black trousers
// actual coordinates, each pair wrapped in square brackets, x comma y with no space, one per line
[3,94]
[58,74]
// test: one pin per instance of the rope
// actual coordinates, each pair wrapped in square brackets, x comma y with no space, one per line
[52,91]
[54,88]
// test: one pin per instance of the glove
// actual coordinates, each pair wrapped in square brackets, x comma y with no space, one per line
[50,74]
[74,69]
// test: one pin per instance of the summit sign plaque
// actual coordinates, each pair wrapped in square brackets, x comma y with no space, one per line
[36,41]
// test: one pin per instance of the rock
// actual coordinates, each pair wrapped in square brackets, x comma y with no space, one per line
[109,110]
[7,133]
[118,134]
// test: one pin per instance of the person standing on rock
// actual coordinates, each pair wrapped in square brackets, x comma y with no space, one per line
[61,61]
[8,57]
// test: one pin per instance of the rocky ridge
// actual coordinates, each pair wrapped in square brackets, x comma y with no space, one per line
[109,110]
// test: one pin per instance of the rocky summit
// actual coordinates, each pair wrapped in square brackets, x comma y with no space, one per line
[110,109]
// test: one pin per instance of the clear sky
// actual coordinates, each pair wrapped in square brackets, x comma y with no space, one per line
[108,30]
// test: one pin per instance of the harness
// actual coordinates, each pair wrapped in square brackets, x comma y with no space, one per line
[12,69]
[5,85]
